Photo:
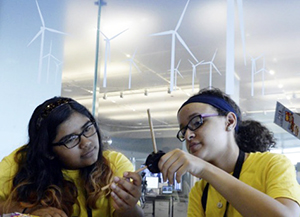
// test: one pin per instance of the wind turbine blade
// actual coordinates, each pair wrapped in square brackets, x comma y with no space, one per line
[257,71]
[134,54]
[205,63]
[104,35]
[55,31]
[118,34]
[54,57]
[46,56]
[163,33]
[181,17]
[214,55]
[37,35]
[186,47]
[199,63]
[178,72]
[216,68]
[191,62]
[263,70]
[241,18]
[258,57]
[40,13]
[178,64]
[136,66]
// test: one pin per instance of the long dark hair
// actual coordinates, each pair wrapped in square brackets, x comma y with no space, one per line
[251,135]
[39,180]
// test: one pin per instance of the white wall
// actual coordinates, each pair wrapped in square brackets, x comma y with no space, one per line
[20,89]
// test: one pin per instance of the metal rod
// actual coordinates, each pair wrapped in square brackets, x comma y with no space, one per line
[152,131]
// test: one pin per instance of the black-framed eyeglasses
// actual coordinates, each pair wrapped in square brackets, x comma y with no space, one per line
[193,125]
[74,139]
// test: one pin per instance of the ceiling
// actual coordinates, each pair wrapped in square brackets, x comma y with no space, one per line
[270,30]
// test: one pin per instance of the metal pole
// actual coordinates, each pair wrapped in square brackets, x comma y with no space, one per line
[95,91]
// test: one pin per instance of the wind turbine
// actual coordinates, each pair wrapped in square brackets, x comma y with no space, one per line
[194,66]
[107,52]
[49,56]
[175,34]
[211,65]
[131,62]
[254,71]
[230,32]
[42,33]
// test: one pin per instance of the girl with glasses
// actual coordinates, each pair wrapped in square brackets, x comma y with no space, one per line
[61,170]
[238,176]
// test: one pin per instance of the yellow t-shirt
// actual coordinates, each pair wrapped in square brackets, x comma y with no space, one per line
[118,162]
[272,174]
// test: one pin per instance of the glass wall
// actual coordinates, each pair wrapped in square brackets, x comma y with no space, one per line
[155,54]
[126,57]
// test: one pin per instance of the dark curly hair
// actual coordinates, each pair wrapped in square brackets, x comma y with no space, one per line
[251,135]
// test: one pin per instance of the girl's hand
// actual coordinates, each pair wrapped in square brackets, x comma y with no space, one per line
[126,193]
[180,162]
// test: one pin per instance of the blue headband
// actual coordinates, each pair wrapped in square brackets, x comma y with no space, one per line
[214,101]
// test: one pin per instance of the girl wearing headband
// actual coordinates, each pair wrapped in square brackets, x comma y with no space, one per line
[61,170]
[238,176]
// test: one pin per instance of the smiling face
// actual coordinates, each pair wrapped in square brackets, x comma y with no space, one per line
[86,152]
[209,141]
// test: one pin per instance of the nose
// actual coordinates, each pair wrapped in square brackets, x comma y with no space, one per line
[84,142]
[189,134]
